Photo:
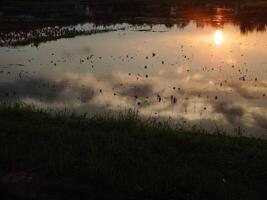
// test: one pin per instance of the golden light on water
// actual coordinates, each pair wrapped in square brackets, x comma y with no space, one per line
[218,37]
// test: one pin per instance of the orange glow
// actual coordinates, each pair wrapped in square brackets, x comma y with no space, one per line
[218,37]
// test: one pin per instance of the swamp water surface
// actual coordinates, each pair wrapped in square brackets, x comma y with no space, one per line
[203,75]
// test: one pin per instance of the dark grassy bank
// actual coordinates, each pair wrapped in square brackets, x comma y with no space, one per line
[18,15]
[27,22]
[72,157]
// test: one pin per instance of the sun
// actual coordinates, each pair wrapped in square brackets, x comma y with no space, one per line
[218,37]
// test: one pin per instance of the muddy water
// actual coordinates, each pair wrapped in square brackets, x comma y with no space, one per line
[204,76]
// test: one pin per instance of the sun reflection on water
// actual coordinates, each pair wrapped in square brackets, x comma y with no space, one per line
[218,37]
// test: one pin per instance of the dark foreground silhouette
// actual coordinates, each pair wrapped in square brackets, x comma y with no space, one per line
[62,156]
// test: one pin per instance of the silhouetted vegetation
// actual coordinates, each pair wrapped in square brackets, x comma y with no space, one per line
[24,17]
[120,156]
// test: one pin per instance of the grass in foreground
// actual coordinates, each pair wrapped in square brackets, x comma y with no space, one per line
[124,158]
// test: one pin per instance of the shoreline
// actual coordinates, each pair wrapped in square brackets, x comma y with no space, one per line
[44,154]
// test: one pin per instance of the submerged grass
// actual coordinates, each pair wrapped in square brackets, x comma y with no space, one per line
[122,156]
[37,40]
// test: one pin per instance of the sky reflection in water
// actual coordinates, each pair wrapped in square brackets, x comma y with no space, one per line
[205,76]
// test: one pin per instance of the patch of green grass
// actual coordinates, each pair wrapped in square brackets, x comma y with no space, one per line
[122,154]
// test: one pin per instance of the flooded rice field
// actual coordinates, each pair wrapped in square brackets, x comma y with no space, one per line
[203,75]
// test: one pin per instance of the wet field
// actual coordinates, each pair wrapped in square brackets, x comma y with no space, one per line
[204,69]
